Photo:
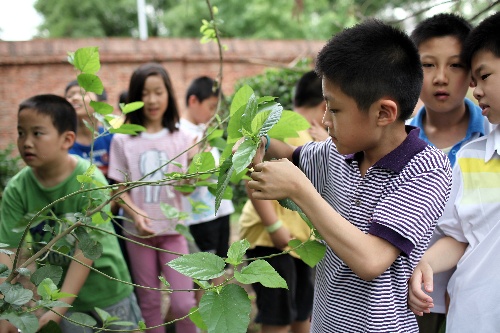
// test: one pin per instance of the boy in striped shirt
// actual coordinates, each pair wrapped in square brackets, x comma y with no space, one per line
[471,220]
[373,189]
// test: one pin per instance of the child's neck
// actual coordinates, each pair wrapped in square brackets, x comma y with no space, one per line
[444,130]
[55,172]
[153,127]
[84,135]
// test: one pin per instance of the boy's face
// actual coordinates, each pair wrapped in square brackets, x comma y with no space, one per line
[39,142]
[74,96]
[349,127]
[485,68]
[202,112]
[446,80]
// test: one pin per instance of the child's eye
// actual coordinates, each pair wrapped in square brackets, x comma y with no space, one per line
[37,133]
[333,110]
[484,76]
[458,65]
[427,65]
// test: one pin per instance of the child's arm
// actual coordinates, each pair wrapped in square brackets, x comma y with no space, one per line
[268,217]
[440,257]
[367,255]
[73,282]
[140,217]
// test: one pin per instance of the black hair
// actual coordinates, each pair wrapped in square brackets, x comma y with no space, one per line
[441,25]
[171,116]
[308,91]
[100,98]
[123,97]
[202,87]
[373,60]
[61,111]
[486,36]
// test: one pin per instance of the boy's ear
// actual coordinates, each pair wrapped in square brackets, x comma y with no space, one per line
[387,112]
[192,100]
[69,138]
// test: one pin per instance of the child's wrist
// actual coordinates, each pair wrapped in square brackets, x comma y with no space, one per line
[274,227]
[268,142]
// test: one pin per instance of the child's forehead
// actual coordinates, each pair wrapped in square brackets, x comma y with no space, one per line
[33,117]
[484,59]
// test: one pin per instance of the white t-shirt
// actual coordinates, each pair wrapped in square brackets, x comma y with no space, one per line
[201,194]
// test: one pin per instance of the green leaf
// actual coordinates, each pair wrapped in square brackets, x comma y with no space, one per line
[173,213]
[47,272]
[17,295]
[200,265]
[101,107]
[227,311]
[26,322]
[131,107]
[165,282]
[264,121]
[311,252]
[290,123]
[240,98]
[91,249]
[90,82]
[195,317]
[84,179]
[225,172]
[234,126]
[102,314]
[46,289]
[244,155]
[249,114]
[214,133]
[202,162]
[4,268]
[86,60]
[260,271]
[83,319]
[128,129]
[237,251]
[228,191]
[184,231]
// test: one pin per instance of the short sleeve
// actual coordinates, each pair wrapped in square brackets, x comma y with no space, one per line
[11,212]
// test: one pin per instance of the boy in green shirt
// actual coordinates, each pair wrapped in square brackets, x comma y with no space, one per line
[46,127]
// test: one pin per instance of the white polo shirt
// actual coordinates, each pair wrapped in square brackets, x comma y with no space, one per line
[472,216]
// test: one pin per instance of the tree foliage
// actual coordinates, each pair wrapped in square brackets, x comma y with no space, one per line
[299,19]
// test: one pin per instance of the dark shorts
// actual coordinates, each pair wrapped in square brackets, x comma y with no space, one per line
[212,236]
[279,306]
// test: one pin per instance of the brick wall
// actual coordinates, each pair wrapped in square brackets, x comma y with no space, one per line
[40,66]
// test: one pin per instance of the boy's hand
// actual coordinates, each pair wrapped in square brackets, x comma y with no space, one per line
[47,317]
[281,237]
[318,131]
[418,301]
[277,179]
[259,154]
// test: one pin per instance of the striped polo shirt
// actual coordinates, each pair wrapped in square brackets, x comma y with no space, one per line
[399,199]
[472,216]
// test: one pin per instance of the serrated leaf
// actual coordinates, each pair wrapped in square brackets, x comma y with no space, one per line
[200,265]
[86,60]
[271,120]
[237,251]
[101,107]
[47,272]
[311,252]
[225,172]
[260,271]
[249,113]
[17,295]
[289,125]
[90,83]
[83,318]
[202,162]
[46,288]
[244,155]
[228,191]
[227,311]
[52,304]
[26,322]
[91,249]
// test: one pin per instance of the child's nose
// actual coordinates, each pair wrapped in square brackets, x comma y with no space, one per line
[440,77]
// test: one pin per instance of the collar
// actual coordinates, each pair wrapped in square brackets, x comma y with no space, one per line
[397,159]
[476,121]
[492,144]
[200,128]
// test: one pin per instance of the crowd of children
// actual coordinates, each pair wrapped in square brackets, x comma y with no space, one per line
[407,203]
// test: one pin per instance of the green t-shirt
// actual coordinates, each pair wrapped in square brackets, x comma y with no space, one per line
[24,196]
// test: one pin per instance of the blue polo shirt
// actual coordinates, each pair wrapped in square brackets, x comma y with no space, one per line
[100,151]
[475,130]
[398,199]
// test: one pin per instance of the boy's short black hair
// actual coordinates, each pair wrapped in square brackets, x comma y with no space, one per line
[373,60]
[308,91]
[61,112]
[441,25]
[202,87]
[100,98]
[486,36]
